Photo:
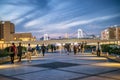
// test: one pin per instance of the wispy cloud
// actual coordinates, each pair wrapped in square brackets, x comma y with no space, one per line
[81,22]
[67,24]
[57,17]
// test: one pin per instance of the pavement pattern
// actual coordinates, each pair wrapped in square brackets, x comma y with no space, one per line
[60,66]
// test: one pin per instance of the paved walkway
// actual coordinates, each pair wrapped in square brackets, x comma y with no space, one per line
[56,66]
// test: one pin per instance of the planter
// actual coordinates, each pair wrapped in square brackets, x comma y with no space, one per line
[114,57]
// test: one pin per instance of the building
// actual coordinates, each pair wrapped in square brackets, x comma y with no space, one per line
[66,35]
[22,37]
[80,33]
[105,34]
[111,33]
[6,30]
[1,30]
[7,33]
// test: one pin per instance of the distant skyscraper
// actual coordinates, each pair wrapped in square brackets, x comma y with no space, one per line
[80,33]
[46,36]
[66,35]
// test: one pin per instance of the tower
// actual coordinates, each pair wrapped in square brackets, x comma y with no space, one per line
[45,36]
[8,30]
[80,33]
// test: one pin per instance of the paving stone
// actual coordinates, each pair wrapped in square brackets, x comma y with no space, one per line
[49,75]
[88,69]
[20,70]
[55,65]
[114,74]
[96,78]
[62,67]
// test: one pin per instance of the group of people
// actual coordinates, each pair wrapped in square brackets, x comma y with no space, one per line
[76,48]
[18,51]
[13,50]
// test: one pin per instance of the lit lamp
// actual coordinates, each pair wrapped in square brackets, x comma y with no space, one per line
[15,38]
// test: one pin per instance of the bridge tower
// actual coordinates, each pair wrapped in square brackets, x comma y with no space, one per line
[80,33]
[46,36]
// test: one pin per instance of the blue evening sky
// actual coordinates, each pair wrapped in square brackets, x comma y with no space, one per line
[58,17]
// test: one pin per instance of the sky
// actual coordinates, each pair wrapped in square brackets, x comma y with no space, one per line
[58,17]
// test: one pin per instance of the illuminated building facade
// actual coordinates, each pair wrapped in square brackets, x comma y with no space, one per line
[7,33]
[111,33]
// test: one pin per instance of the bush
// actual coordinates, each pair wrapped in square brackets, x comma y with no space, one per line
[3,53]
[111,48]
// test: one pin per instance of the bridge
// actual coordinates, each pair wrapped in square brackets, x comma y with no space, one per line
[60,41]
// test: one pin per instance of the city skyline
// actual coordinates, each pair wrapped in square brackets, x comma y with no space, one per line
[57,17]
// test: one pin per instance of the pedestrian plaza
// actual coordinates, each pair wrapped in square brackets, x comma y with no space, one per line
[60,66]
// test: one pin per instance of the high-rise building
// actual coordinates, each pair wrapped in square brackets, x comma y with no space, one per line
[66,35]
[7,33]
[6,30]
[1,30]
[80,33]
[111,33]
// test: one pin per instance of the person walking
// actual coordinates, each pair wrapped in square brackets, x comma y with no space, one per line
[98,49]
[75,49]
[29,53]
[19,52]
[37,50]
[12,51]
[82,48]
[43,48]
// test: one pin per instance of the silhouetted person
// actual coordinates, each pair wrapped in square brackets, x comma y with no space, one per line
[12,51]
[98,48]
[75,49]
[19,51]
[68,48]
[37,50]
[82,48]
[52,48]
[43,48]
[79,48]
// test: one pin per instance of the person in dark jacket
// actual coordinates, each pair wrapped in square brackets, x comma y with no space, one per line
[19,52]
[12,51]
[43,48]
[75,49]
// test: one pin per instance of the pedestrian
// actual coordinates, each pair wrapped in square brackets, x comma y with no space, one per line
[98,49]
[12,51]
[19,52]
[82,48]
[43,48]
[75,49]
[29,53]
[79,48]
[37,50]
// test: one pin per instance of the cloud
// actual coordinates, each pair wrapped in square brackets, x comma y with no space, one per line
[62,26]
[58,16]
[81,22]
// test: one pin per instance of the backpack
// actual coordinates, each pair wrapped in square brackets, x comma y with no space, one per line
[30,49]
